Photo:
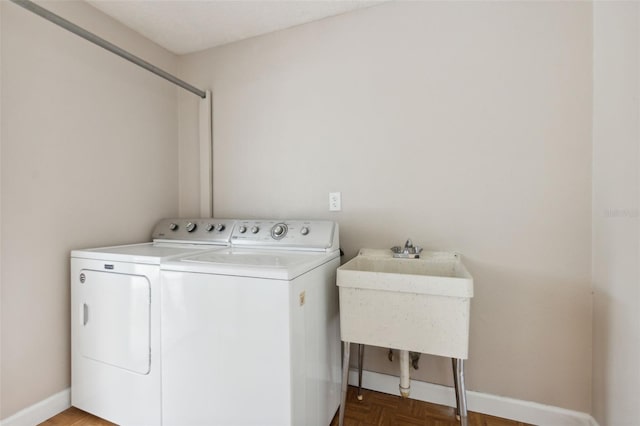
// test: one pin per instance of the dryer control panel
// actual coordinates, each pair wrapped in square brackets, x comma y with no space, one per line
[205,231]
[286,234]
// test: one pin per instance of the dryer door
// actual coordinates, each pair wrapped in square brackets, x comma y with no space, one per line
[115,319]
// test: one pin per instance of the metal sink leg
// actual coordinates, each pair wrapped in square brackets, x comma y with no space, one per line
[461,394]
[345,379]
[360,360]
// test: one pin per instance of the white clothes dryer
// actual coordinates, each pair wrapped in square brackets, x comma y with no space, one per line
[115,319]
[250,334]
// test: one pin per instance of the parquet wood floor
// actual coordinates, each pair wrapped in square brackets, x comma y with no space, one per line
[376,408]
[75,417]
[381,409]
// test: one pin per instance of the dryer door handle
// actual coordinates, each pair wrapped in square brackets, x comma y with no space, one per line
[85,314]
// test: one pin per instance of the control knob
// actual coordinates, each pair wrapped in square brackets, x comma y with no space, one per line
[242,229]
[278,231]
[304,230]
[173,226]
[191,227]
[255,229]
[210,227]
[220,227]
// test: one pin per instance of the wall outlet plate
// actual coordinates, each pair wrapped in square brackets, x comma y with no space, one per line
[335,202]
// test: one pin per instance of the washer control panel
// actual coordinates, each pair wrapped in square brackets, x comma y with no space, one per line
[194,230]
[303,234]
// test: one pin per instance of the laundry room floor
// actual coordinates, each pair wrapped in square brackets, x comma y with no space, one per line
[75,417]
[382,409]
[375,409]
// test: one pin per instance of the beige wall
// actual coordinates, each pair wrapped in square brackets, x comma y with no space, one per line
[88,157]
[616,186]
[465,126]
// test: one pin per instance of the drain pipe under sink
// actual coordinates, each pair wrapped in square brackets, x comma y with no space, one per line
[409,251]
[405,380]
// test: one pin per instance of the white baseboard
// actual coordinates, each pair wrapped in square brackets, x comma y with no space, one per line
[40,411]
[508,408]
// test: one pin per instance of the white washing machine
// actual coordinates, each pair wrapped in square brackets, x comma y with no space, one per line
[250,334]
[115,319]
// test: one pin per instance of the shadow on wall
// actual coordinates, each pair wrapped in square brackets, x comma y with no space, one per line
[536,327]
[604,327]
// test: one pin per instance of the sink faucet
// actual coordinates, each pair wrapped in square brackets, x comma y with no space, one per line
[408,246]
[409,251]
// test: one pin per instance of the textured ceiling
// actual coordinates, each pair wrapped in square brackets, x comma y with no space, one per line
[185,26]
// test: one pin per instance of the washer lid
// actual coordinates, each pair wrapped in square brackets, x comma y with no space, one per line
[272,264]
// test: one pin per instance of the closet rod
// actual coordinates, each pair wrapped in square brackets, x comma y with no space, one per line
[58,20]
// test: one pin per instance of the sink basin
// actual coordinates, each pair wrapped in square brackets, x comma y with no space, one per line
[420,305]
[435,273]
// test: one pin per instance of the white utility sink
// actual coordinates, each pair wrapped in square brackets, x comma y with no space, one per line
[420,305]
[416,304]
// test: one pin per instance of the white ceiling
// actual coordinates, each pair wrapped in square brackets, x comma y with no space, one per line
[185,26]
